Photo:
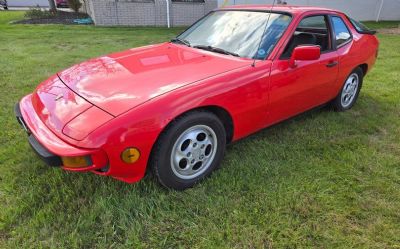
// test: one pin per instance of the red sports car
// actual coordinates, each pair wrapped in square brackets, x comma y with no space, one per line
[173,107]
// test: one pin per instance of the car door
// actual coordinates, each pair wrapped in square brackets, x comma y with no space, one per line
[296,89]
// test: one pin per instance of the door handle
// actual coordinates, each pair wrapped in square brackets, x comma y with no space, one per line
[332,64]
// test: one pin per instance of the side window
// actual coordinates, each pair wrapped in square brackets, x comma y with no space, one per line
[316,22]
[342,33]
[312,30]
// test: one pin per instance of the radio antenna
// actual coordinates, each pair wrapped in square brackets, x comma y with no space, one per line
[265,30]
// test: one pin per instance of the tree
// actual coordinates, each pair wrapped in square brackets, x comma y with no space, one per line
[75,5]
[52,6]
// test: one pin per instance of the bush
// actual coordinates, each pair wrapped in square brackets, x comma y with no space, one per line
[38,13]
[74,4]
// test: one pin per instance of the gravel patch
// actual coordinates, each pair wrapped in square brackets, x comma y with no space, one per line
[391,31]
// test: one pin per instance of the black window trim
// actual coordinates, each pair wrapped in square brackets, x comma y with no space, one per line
[334,34]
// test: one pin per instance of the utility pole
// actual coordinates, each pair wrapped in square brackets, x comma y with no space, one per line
[379,11]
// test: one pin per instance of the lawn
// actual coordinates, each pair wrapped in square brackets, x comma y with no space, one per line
[321,180]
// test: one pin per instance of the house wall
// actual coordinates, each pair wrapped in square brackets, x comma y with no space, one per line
[28,3]
[363,10]
[146,12]
[187,13]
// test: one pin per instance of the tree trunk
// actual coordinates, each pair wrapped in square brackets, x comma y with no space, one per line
[52,5]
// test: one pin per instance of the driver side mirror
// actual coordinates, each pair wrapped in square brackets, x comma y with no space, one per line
[304,53]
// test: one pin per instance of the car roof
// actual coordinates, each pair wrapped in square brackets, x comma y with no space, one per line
[281,8]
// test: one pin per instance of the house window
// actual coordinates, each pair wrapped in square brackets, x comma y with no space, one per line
[187,1]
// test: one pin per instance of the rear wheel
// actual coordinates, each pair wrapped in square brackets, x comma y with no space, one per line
[189,150]
[350,91]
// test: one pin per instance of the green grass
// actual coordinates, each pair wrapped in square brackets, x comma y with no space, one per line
[322,180]
[382,25]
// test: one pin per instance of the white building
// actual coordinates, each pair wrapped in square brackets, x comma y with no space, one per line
[27,3]
[362,10]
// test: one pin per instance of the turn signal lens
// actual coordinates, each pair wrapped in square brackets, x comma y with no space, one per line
[76,161]
[130,155]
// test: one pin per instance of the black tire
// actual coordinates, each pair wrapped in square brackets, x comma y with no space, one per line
[162,162]
[338,104]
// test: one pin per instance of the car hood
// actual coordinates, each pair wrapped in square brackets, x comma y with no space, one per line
[121,81]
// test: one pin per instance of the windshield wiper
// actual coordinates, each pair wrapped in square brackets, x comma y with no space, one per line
[183,41]
[217,50]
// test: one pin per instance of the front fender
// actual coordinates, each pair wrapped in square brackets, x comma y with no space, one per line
[242,93]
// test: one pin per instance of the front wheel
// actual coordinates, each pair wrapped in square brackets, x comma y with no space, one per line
[348,95]
[189,150]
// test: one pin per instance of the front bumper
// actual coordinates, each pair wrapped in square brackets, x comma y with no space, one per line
[49,147]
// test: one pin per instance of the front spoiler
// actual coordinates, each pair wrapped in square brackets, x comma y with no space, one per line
[48,157]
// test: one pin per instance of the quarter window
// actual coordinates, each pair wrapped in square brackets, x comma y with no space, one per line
[342,33]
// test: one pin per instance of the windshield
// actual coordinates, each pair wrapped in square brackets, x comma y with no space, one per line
[238,32]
